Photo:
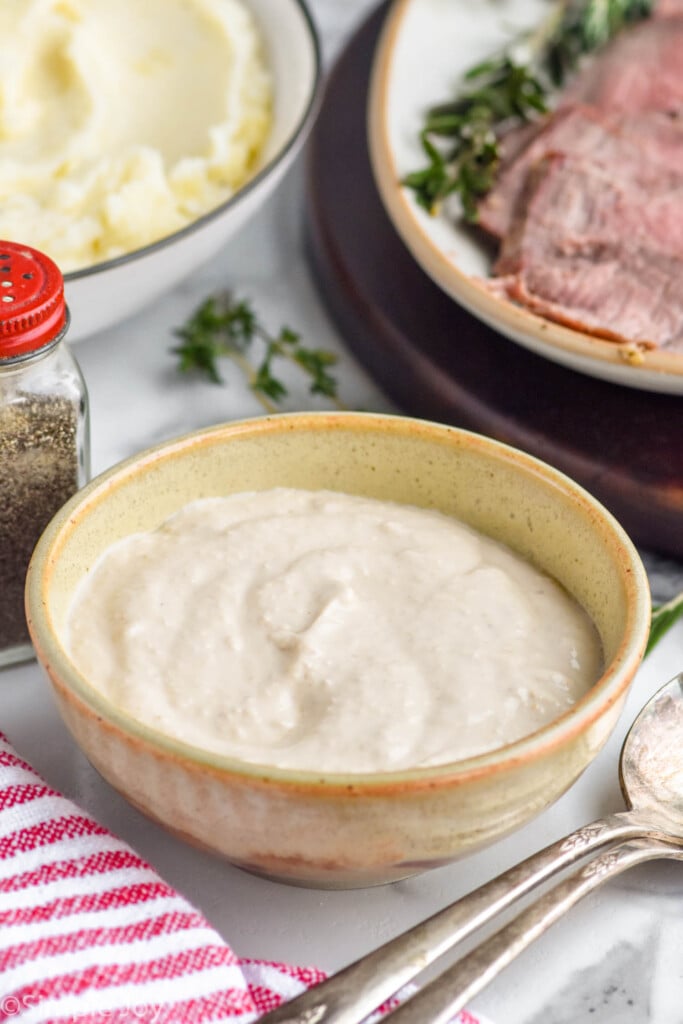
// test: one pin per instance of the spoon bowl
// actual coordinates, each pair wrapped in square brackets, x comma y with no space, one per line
[651,762]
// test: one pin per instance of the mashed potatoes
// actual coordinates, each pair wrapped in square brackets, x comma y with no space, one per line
[122,121]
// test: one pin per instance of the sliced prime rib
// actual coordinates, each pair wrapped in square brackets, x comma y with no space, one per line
[644,145]
[639,70]
[517,140]
[668,8]
[588,203]
[598,253]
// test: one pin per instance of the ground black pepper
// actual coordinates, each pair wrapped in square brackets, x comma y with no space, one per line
[39,470]
[44,442]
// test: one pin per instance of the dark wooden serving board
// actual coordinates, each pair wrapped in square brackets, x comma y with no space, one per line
[437,361]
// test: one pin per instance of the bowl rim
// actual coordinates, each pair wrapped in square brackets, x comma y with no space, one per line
[603,694]
[251,185]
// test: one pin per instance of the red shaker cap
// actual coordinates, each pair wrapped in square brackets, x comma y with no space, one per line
[32,305]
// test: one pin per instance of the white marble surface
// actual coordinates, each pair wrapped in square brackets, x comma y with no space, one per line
[616,958]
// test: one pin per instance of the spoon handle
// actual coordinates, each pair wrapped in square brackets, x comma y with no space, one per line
[438,1001]
[354,992]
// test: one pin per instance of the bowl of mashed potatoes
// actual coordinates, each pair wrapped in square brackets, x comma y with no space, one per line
[136,139]
[338,649]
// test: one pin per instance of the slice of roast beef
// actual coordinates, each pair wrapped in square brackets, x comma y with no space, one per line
[570,129]
[515,141]
[657,136]
[598,254]
[644,146]
[668,8]
[639,70]
[513,144]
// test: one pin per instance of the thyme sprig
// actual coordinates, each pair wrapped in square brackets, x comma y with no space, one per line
[460,138]
[664,616]
[222,326]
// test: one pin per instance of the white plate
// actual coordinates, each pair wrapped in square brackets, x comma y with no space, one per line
[425,47]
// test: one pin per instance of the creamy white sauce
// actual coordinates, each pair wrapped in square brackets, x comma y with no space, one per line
[322,631]
[122,121]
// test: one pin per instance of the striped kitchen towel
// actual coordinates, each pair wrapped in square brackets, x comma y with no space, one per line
[90,934]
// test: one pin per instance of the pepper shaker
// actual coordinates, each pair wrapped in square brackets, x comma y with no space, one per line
[44,425]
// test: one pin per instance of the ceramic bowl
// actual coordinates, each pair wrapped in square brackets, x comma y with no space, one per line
[425,48]
[346,830]
[106,293]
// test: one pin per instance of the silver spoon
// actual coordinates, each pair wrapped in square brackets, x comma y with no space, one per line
[651,777]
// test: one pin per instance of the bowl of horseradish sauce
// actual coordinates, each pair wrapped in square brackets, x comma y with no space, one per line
[338,649]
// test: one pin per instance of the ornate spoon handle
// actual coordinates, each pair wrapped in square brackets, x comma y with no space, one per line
[353,993]
[438,1001]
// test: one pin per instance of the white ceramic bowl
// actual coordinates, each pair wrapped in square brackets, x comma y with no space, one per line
[106,293]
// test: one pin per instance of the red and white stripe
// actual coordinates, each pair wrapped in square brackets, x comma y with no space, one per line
[89,933]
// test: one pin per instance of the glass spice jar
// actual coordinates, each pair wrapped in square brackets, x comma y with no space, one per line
[44,426]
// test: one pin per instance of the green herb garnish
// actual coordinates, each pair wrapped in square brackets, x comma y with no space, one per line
[663,618]
[459,138]
[223,327]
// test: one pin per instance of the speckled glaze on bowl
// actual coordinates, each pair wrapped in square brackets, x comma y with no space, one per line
[346,830]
